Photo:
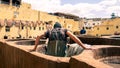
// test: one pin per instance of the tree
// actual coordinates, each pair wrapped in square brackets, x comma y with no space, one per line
[113,16]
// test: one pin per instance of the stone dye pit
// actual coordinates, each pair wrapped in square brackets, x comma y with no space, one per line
[108,55]
[15,54]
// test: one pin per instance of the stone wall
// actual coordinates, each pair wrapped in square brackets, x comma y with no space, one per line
[16,56]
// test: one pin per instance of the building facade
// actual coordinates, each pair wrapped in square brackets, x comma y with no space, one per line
[107,27]
[18,20]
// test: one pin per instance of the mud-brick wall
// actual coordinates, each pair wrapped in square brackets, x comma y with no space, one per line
[14,57]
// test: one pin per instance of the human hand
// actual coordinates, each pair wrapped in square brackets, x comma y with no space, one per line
[88,47]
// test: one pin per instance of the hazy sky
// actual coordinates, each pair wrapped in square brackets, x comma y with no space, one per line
[81,8]
[79,1]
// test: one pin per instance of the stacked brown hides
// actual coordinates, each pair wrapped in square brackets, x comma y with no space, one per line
[9,23]
[23,23]
[27,23]
[39,23]
[2,23]
[30,24]
[17,23]
[34,24]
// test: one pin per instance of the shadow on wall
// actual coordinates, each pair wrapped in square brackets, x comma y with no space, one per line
[97,41]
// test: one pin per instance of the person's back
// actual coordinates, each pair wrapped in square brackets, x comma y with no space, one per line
[57,42]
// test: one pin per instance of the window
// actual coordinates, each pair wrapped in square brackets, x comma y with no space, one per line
[22,27]
[7,29]
[107,28]
[5,37]
[68,26]
[86,27]
[39,28]
[42,28]
[96,34]
[34,28]
[117,27]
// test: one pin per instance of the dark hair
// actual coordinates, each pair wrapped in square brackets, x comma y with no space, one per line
[57,25]
[46,22]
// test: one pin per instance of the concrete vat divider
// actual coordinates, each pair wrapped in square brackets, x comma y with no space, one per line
[96,58]
[14,56]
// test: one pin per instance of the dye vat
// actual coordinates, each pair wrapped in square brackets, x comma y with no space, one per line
[106,40]
[16,53]
[72,49]
[17,39]
[108,55]
[103,56]
[27,42]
